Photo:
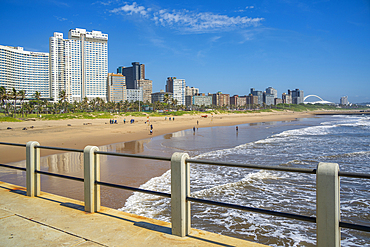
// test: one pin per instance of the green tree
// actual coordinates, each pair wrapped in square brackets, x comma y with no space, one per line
[14,94]
[22,95]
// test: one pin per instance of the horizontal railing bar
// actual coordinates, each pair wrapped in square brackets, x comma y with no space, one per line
[275,168]
[354,226]
[60,176]
[13,144]
[256,210]
[61,149]
[353,175]
[13,167]
[134,189]
[135,155]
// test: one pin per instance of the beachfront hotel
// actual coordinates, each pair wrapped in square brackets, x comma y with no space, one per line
[24,70]
[79,65]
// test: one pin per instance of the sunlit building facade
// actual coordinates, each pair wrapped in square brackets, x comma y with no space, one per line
[24,70]
[79,64]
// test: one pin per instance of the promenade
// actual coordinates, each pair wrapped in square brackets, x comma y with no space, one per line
[51,220]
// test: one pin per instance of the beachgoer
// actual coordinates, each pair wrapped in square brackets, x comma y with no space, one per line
[151,126]
[173,118]
[124,120]
[237,129]
[194,128]
[169,118]
[151,132]
[197,122]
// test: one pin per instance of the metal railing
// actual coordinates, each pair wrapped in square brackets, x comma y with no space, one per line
[327,218]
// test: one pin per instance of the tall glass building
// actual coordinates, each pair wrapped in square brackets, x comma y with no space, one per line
[24,70]
[82,64]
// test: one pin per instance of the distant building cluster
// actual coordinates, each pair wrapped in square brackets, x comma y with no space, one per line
[78,66]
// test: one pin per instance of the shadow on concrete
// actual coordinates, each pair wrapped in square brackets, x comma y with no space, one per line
[142,224]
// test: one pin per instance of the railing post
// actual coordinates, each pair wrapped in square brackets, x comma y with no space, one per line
[91,174]
[32,164]
[327,205]
[180,189]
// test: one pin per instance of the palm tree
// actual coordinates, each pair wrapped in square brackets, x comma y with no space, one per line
[166,98]
[37,96]
[63,97]
[3,95]
[22,95]
[14,95]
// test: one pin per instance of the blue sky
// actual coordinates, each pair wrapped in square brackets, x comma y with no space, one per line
[320,47]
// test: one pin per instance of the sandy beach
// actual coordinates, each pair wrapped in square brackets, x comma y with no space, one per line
[78,133]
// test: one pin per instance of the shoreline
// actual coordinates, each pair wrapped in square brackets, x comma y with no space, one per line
[78,133]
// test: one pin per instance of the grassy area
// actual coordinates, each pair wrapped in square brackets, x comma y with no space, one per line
[108,115]
[4,118]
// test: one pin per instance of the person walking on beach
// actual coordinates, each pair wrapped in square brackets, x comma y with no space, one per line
[151,127]
[151,132]
[197,122]
[124,120]
[194,129]
[237,129]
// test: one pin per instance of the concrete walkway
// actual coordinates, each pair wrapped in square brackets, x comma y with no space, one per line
[51,220]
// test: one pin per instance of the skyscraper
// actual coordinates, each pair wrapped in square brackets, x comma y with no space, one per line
[79,65]
[259,94]
[177,87]
[24,70]
[297,96]
[60,66]
[133,74]
[344,100]
[116,88]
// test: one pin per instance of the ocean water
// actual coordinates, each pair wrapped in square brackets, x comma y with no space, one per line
[302,143]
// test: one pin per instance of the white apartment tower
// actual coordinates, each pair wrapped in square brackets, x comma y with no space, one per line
[60,67]
[24,70]
[177,87]
[79,64]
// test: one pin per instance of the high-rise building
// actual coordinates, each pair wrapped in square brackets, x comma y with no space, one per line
[344,100]
[177,88]
[84,59]
[146,86]
[297,96]
[220,99]
[259,94]
[24,70]
[134,95]
[271,90]
[286,98]
[268,99]
[191,91]
[116,88]
[60,67]
[133,74]
[251,101]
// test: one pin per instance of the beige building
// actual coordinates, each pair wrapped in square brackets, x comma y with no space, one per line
[220,99]
[191,91]
[146,86]
[116,88]
[287,98]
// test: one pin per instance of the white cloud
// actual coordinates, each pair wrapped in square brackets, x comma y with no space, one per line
[189,21]
[132,9]
[60,18]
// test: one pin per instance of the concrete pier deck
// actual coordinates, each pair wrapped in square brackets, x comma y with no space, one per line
[51,220]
